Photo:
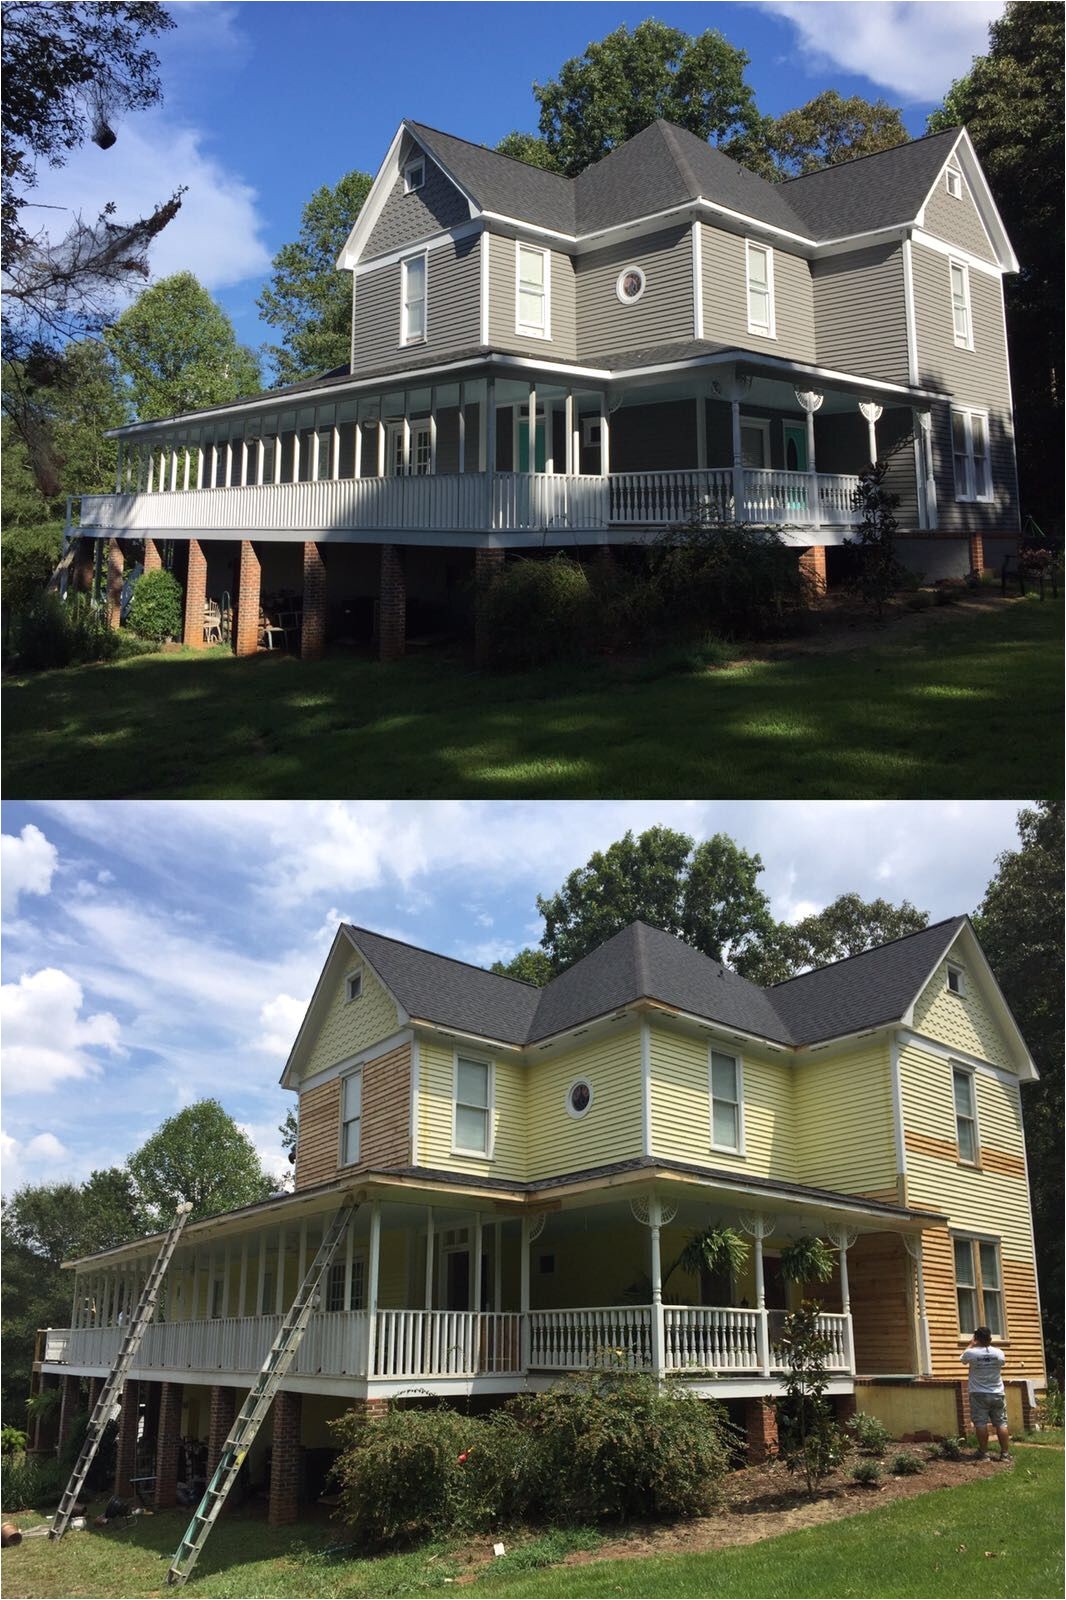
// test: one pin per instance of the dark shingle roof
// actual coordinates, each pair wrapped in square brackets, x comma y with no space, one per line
[874,191]
[499,183]
[643,963]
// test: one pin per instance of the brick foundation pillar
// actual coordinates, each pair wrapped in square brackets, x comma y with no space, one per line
[604,554]
[223,1411]
[69,1405]
[760,1421]
[285,1459]
[248,580]
[812,568]
[167,1445]
[152,1394]
[487,563]
[977,552]
[115,565]
[195,597]
[84,565]
[1028,1410]
[846,1408]
[962,1408]
[96,1386]
[313,632]
[392,605]
[126,1447]
[152,558]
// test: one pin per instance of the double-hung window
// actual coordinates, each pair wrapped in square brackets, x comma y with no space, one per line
[978,1285]
[965,1113]
[760,270]
[969,449]
[413,324]
[726,1122]
[351,1116]
[533,290]
[473,1104]
[960,305]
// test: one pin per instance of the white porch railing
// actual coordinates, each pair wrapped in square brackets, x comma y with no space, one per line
[609,1336]
[831,1324]
[446,1344]
[522,500]
[724,1339]
[663,499]
[799,499]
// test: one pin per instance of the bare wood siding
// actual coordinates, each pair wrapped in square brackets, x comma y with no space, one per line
[725,298]
[316,1147]
[852,1091]
[961,1021]
[385,1133]
[860,313]
[957,221]
[1023,1347]
[880,1280]
[407,217]
[611,1128]
[977,377]
[453,308]
[681,1108]
[663,313]
[351,1026]
[503,334]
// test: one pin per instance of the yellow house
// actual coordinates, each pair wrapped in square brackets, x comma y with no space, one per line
[530,1163]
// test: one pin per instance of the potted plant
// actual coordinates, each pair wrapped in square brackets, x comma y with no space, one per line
[807,1260]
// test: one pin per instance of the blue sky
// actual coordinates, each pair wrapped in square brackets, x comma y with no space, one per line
[266,102]
[154,953]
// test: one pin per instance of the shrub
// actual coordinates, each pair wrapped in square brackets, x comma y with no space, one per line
[946,1450]
[869,1433]
[155,611]
[738,581]
[906,1464]
[1049,1409]
[534,612]
[401,1477]
[49,633]
[12,1441]
[28,1482]
[866,1472]
[879,573]
[30,556]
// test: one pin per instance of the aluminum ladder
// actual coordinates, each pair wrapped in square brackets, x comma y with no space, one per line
[258,1400]
[112,1390]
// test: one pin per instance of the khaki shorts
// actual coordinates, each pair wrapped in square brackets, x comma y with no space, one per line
[988,1408]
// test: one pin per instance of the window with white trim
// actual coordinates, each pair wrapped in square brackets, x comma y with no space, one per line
[353,986]
[969,449]
[413,329]
[725,1101]
[760,270]
[414,175]
[955,980]
[953,182]
[979,1286]
[965,1113]
[532,289]
[473,1103]
[335,1286]
[961,318]
[351,1116]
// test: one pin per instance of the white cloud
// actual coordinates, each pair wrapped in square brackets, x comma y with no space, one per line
[27,862]
[280,1019]
[268,1147]
[910,47]
[799,909]
[34,1161]
[46,1038]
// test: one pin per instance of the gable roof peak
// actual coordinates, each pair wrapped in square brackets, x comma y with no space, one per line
[872,949]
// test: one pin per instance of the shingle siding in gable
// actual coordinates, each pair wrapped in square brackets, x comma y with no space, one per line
[725,298]
[957,221]
[503,334]
[453,307]
[407,217]
[663,312]
[860,312]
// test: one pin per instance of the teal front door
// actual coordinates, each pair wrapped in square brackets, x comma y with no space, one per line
[523,445]
[795,447]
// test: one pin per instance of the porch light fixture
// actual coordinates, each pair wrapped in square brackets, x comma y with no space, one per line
[578,1097]
[630,285]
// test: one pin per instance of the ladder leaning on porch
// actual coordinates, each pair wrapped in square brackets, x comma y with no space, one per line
[112,1389]
[257,1403]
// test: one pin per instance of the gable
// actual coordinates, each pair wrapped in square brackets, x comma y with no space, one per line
[957,221]
[965,1022]
[341,1027]
[405,218]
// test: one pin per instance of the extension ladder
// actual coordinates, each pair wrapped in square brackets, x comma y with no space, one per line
[112,1390]
[257,1403]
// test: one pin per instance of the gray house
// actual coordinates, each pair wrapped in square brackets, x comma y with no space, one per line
[540,362]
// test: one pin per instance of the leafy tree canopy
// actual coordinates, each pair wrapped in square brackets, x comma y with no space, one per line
[532,966]
[289,1129]
[307,299]
[846,927]
[829,130]
[198,1155]
[57,405]
[177,351]
[528,147]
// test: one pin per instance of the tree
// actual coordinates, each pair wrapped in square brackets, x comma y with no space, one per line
[529,148]
[1011,102]
[625,81]
[177,351]
[307,298]
[1019,923]
[703,893]
[532,966]
[289,1130]
[829,130]
[58,405]
[198,1155]
[846,927]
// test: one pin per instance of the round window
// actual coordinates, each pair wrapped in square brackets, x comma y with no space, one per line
[579,1097]
[630,285]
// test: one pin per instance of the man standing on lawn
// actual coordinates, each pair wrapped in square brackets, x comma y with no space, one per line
[988,1402]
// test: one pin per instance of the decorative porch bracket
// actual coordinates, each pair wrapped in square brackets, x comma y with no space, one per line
[913,1246]
[759,1226]
[810,401]
[844,1237]
[650,1211]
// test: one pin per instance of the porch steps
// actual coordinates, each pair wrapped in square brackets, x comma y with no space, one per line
[258,1400]
[111,1393]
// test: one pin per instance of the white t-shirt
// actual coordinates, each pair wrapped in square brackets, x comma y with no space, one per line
[985,1368]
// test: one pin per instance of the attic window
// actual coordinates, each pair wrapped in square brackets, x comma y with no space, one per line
[956,980]
[953,182]
[353,986]
[414,175]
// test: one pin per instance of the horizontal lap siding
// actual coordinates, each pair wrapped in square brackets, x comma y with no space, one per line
[977,377]
[852,1091]
[352,1025]
[385,1133]
[957,221]
[317,1145]
[681,1108]
[860,313]
[962,1022]
[664,312]
[436,1107]
[453,308]
[503,333]
[407,217]
[725,298]
[611,1129]
[881,1287]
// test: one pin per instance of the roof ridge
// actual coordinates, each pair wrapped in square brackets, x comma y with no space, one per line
[677,155]
[455,960]
[871,155]
[901,939]
[487,149]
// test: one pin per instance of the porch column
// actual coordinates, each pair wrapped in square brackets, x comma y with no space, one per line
[152,558]
[654,1215]
[476,1274]
[923,1352]
[194,1296]
[844,1238]
[313,631]
[357,448]
[872,412]
[248,581]
[428,1295]
[497,1265]
[605,437]
[335,464]
[279,1276]
[532,429]
[349,1260]
[489,461]
[488,561]
[760,1227]
[186,469]
[923,462]
[301,1254]
[173,468]
[523,1297]
[392,605]
[168,1443]
[114,583]
[150,488]
[195,597]
[285,1459]
[223,1411]
[462,429]
[260,1309]
[810,401]
[242,1285]
[126,1444]
[373,1266]
[200,453]
[381,447]
[573,455]
[433,431]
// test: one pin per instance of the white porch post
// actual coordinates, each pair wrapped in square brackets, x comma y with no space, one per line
[358,447]
[261,1280]
[475,1276]
[381,447]
[195,1292]
[244,463]
[279,1277]
[488,465]
[186,470]
[924,1351]
[872,412]
[433,432]
[811,401]
[658,1330]
[151,472]
[277,454]
[315,450]
[462,428]
[605,437]
[497,1265]
[532,429]
[199,466]
[335,463]
[844,1238]
[373,1265]
[573,458]
[759,1227]
[923,463]
[242,1286]
[428,1294]
[523,1297]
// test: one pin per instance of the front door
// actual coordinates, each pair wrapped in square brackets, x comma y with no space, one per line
[457,1280]
[421,449]
[796,447]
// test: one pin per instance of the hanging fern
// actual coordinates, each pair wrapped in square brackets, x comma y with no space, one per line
[807,1261]
[712,1251]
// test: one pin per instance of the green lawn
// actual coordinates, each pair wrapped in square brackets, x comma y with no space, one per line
[967,708]
[997,1536]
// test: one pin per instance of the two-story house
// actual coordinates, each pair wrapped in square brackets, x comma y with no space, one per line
[540,362]
[529,1164]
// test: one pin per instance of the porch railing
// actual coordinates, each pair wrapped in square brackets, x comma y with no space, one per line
[832,1325]
[609,1336]
[722,1339]
[446,1344]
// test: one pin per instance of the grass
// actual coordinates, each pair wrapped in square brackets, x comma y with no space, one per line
[997,1536]
[969,708]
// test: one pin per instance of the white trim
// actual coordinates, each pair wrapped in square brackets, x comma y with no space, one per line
[929,241]
[739,1148]
[484,265]
[965,340]
[909,312]
[354,1072]
[354,976]
[645,1085]
[416,1074]
[967,1072]
[630,300]
[898,1135]
[406,338]
[697,279]
[921,1041]
[963,154]
[490,1108]
[432,241]
[964,1235]
[970,496]
[380,191]
[528,328]
[370,1052]
[957,191]
[770,330]
[411,166]
[960,975]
